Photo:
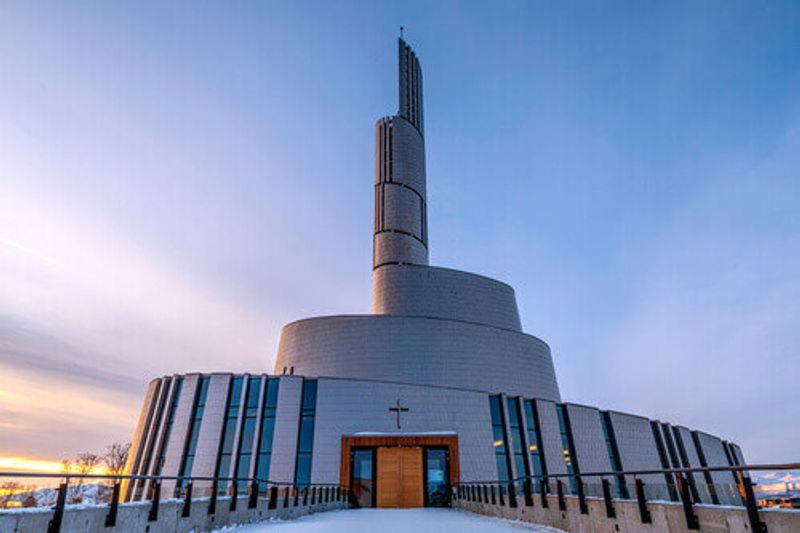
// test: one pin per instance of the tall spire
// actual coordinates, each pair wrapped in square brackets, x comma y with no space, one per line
[401,234]
[410,85]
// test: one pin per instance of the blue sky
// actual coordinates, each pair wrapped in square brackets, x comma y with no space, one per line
[177,181]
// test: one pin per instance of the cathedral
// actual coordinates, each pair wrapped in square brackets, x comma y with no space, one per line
[439,385]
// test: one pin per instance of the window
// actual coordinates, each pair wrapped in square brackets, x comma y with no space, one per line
[662,455]
[176,394]
[264,448]
[569,447]
[499,440]
[535,449]
[248,433]
[193,431]
[613,453]
[151,440]
[517,442]
[305,439]
[229,430]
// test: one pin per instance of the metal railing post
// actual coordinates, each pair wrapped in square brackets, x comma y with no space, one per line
[153,515]
[212,504]
[187,501]
[273,497]
[562,505]
[752,510]
[581,495]
[286,497]
[55,523]
[688,510]
[610,511]
[494,496]
[543,489]
[527,492]
[252,501]
[234,494]
[644,513]
[512,495]
[111,517]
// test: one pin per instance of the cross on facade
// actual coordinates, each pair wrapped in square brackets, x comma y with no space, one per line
[397,409]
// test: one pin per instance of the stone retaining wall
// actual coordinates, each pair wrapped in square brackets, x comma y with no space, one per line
[666,516]
[133,517]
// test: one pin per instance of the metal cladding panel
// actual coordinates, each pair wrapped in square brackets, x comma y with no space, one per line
[403,210]
[638,451]
[433,292]
[737,450]
[347,407]
[287,426]
[590,445]
[714,453]
[694,461]
[420,351]
[551,438]
[408,156]
[393,247]
[208,439]
[178,435]
[137,443]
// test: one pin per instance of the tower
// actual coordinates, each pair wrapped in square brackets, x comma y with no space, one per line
[401,233]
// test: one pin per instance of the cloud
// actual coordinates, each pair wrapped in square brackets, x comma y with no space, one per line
[711,338]
[87,317]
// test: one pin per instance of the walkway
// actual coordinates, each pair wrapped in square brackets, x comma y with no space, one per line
[394,521]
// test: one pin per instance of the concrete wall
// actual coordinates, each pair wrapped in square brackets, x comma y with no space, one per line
[425,351]
[667,517]
[133,517]
[412,290]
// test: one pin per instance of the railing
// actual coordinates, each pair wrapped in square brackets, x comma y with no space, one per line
[278,494]
[681,485]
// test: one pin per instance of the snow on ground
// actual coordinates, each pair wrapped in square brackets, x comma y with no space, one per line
[393,521]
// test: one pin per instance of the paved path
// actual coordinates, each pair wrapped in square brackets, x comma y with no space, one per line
[394,521]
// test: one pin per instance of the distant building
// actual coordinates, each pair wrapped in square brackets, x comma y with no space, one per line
[438,384]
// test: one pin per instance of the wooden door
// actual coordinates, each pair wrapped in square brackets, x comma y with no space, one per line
[400,477]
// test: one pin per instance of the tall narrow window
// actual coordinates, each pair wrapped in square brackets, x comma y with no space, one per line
[701,456]
[499,439]
[264,456]
[151,440]
[517,442]
[173,405]
[192,432]
[613,453]
[305,439]
[247,435]
[685,459]
[229,431]
[535,439]
[662,456]
[567,443]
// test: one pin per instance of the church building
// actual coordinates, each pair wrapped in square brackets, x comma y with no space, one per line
[438,385]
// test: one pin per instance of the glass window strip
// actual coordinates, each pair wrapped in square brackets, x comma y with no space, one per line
[305,437]
[570,457]
[613,454]
[162,454]
[500,439]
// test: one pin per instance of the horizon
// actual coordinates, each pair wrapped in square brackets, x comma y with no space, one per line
[179,184]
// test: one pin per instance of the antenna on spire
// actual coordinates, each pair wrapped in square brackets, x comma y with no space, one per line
[401,32]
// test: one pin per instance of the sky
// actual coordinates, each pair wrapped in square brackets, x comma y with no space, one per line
[179,180]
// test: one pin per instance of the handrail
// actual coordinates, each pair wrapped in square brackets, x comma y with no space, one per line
[158,478]
[698,469]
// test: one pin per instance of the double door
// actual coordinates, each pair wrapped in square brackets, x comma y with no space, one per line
[400,477]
